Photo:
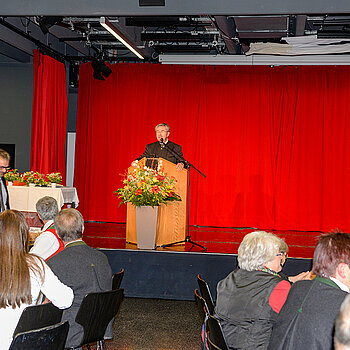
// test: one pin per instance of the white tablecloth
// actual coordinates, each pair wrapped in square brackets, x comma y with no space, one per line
[24,198]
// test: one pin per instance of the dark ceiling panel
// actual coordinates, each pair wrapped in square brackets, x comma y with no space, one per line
[172,7]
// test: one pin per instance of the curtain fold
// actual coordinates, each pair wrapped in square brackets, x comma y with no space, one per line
[273,142]
[49,116]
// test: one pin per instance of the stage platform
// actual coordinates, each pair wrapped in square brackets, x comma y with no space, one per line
[224,240]
[171,273]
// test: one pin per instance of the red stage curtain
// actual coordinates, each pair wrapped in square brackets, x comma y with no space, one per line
[49,115]
[273,142]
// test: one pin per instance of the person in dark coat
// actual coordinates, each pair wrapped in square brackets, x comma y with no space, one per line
[250,298]
[307,318]
[80,267]
[164,148]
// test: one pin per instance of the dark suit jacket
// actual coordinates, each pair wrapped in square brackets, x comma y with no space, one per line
[307,318]
[7,204]
[85,270]
[154,150]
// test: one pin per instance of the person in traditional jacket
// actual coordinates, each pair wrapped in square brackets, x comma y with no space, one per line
[307,319]
[250,298]
[48,243]
[164,148]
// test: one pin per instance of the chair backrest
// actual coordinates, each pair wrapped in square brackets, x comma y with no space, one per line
[202,305]
[117,279]
[216,335]
[205,292]
[38,316]
[95,313]
[211,345]
[51,337]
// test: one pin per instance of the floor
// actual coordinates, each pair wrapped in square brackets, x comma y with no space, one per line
[216,239]
[155,324]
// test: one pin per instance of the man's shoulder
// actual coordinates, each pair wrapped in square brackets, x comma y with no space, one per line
[82,250]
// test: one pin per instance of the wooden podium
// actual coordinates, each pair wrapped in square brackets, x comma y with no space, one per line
[171,222]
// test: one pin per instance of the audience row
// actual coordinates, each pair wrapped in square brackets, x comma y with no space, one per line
[260,308]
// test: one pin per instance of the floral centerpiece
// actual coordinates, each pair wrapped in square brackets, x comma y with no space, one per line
[33,177]
[54,178]
[145,186]
[12,175]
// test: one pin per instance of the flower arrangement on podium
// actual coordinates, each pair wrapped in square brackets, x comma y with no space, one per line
[145,186]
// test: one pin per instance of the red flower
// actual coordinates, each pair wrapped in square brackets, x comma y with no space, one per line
[155,189]
[139,191]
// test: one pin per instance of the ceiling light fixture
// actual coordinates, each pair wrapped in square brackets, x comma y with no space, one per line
[116,32]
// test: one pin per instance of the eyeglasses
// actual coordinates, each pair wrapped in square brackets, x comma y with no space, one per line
[282,254]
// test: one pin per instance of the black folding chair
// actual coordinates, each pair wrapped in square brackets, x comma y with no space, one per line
[117,279]
[51,337]
[202,306]
[216,337]
[95,313]
[205,292]
[38,316]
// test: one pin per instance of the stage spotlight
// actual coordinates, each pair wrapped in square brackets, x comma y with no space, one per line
[46,22]
[101,70]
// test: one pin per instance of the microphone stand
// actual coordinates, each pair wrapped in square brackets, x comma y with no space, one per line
[189,166]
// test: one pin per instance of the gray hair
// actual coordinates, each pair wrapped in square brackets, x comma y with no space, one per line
[258,248]
[69,224]
[342,326]
[163,124]
[47,208]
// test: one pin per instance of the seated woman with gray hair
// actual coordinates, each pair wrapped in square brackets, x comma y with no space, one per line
[250,298]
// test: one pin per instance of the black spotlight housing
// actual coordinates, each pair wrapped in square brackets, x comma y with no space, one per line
[46,22]
[101,70]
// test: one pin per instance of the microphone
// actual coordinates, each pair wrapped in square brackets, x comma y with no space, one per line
[162,143]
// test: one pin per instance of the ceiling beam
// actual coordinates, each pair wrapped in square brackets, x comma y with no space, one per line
[172,7]
[14,53]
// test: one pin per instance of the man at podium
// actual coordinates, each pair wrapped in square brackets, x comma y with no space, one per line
[164,148]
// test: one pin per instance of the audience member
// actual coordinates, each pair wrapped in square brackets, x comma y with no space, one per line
[306,320]
[81,267]
[23,276]
[250,298]
[4,166]
[342,326]
[47,243]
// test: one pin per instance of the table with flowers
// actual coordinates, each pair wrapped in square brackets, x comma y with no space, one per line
[24,198]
